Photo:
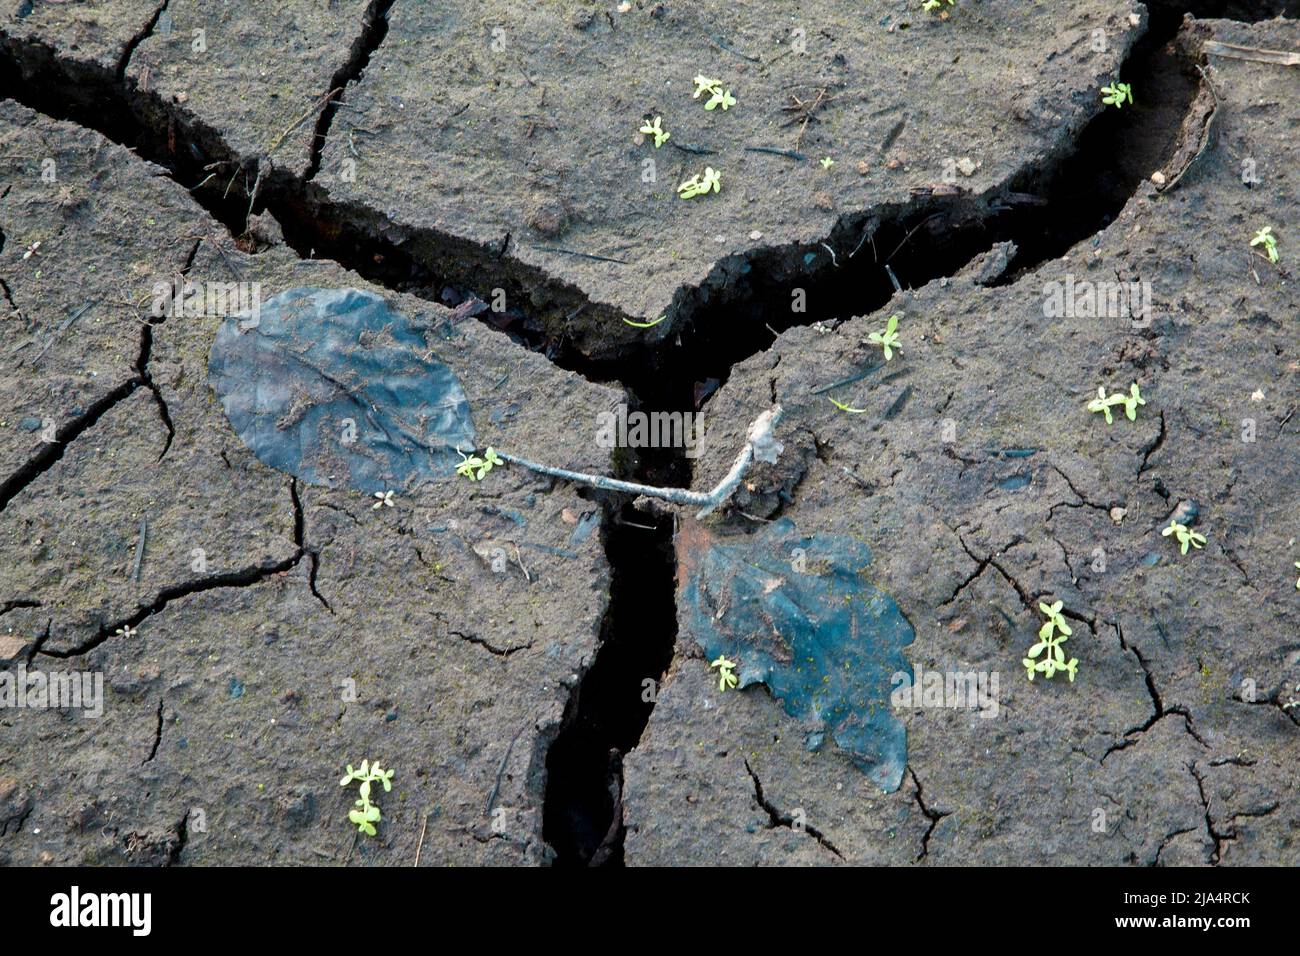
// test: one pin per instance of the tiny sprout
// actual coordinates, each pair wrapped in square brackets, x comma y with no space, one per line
[468,465]
[696,186]
[1116,94]
[704,85]
[384,498]
[128,631]
[367,814]
[474,468]
[657,131]
[929,5]
[827,162]
[1131,401]
[887,338]
[721,98]
[1184,535]
[846,408]
[726,677]
[1266,239]
[1051,636]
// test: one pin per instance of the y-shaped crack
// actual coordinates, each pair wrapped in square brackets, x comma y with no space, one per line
[776,818]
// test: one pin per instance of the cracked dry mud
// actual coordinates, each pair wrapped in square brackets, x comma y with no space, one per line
[267,632]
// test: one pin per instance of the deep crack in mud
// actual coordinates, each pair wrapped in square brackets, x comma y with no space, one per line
[874,254]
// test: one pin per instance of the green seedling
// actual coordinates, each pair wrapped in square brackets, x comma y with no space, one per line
[721,98]
[657,131]
[887,338]
[726,675]
[1185,535]
[1266,239]
[1054,632]
[827,162]
[929,5]
[366,814]
[704,85]
[846,408]
[475,468]
[383,498]
[697,186]
[1131,401]
[1117,94]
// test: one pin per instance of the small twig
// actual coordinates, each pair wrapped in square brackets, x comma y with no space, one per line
[420,846]
[787,153]
[501,771]
[584,255]
[1235,51]
[316,107]
[758,439]
[694,150]
[139,548]
[723,45]
[64,327]
[519,559]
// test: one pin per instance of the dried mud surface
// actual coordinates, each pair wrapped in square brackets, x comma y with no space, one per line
[491,641]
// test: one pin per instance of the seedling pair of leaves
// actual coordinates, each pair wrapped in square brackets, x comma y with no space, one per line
[726,672]
[1187,537]
[366,814]
[717,95]
[1266,239]
[655,128]
[475,468]
[1054,632]
[887,338]
[1131,401]
[701,186]
[1117,94]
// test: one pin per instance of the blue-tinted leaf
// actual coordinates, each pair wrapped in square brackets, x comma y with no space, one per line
[824,640]
[337,388]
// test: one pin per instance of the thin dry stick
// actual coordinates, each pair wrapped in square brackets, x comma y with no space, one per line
[759,443]
[1237,52]
[420,846]
[319,105]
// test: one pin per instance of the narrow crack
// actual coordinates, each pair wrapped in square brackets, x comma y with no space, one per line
[1169,838]
[157,737]
[52,452]
[243,578]
[129,50]
[180,837]
[1160,710]
[8,606]
[373,32]
[488,645]
[142,370]
[778,819]
[1219,838]
[934,816]
[1154,446]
